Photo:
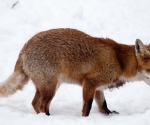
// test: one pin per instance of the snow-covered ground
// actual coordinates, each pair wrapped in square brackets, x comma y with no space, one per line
[123,21]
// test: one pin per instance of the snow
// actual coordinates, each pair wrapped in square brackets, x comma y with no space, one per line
[123,21]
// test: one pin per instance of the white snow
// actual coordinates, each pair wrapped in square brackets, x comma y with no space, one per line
[123,21]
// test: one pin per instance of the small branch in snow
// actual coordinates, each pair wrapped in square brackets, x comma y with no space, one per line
[14,5]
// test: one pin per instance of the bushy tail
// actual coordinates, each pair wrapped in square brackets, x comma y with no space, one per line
[15,81]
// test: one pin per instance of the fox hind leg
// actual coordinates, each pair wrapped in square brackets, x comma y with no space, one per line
[101,102]
[47,92]
[35,102]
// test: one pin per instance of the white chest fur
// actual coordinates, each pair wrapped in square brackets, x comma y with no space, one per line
[141,76]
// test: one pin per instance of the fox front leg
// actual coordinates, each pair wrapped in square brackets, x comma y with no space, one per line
[101,102]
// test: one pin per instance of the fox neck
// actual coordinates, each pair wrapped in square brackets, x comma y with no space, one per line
[127,60]
[131,71]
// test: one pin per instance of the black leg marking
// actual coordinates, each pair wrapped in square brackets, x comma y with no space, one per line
[89,105]
[47,113]
[107,111]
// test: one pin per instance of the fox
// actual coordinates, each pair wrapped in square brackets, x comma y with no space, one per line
[66,55]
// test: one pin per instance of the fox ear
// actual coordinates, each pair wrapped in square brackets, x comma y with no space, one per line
[140,48]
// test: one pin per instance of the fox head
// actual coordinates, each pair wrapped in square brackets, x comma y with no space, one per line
[143,60]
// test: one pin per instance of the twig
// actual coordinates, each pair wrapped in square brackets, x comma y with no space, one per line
[14,5]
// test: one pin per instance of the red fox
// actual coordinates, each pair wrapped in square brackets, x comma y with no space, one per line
[67,55]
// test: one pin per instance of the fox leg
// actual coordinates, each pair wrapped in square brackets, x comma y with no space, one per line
[101,102]
[35,102]
[46,95]
[88,95]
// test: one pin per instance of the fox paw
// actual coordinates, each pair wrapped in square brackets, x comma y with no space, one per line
[111,112]
[106,111]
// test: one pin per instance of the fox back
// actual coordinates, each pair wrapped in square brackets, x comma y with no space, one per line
[71,55]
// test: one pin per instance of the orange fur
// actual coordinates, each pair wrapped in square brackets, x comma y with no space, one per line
[68,55]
